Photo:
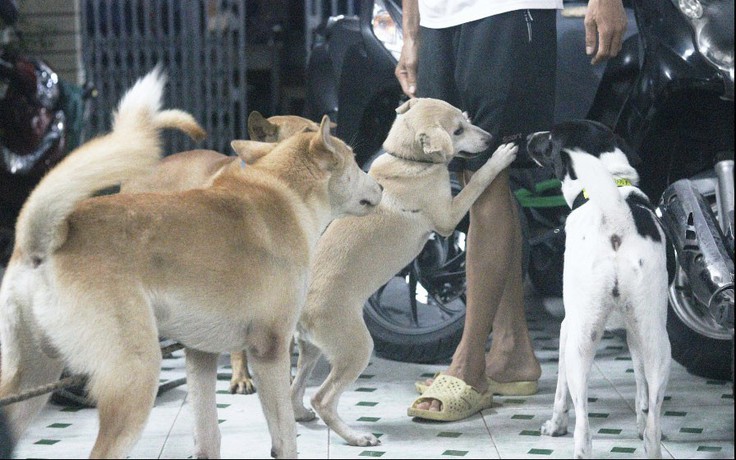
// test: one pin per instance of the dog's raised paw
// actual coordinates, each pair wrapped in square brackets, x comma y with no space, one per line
[549,428]
[505,154]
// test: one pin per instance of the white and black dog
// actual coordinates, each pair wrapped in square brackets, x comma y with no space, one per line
[615,262]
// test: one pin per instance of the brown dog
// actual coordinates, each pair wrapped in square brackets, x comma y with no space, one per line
[197,168]
[93,282]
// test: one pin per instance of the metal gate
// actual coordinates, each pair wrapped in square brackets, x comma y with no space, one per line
[201,44]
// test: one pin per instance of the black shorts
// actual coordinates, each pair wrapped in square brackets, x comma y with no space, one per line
[500,69]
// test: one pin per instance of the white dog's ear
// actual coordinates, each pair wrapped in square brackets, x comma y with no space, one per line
[260,129]
[435,142]
[251,151]
[322,147]
[403,108]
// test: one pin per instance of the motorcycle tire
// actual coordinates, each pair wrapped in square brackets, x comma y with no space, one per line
[434,333]
[700,355]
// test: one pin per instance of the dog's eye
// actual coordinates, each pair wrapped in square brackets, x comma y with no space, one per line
[459,131]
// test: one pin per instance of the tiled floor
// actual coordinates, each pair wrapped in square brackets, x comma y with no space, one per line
[698,419]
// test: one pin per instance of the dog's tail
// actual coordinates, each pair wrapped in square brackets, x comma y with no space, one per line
[131,148]
[600,186]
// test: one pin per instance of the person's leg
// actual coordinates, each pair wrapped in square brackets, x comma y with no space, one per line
[487,79]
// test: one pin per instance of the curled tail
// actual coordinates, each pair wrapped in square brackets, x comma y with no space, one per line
[600,185]
[133,147]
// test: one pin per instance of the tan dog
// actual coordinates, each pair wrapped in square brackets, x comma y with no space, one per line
[93,282]
[197,168]
[355,257]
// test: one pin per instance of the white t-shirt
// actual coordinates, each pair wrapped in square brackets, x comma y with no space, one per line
[439,14]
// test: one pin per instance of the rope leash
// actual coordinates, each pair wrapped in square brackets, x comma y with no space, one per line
[81,379]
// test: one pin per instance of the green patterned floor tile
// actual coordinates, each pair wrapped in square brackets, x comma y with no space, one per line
[622,358]
[371,453]
[449,434]
[59,425]
[592,399]
[597,415]
[369,419]
[709,449]
[223,392]
[540,451]
[514,401]
[427,375]
[455,453]
[629,371]
[614,347]
[530,433]
[46,442]
[367,403]
[365,389]
[623,450]
[691,430]
[522,417]
[222,405]
[72,409]
[609,431]
[727,396]
[366,376]
[220,420]
[674,413]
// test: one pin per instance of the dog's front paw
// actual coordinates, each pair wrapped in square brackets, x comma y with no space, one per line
[504,155]
[549,428]
[242,386]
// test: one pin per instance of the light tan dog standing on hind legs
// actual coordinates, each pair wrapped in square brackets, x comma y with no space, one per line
[197,168]
[356,257]
[93,282]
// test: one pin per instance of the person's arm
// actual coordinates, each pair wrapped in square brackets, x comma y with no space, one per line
[406,69]
[605,24]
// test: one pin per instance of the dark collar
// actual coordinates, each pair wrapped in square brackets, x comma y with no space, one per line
[414,160]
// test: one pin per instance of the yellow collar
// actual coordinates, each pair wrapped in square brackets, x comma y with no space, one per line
[619,183]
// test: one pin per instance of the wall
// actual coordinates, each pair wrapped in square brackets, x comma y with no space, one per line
[51,30]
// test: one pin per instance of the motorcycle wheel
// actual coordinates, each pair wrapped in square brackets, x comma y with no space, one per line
[419,315]
[697,341]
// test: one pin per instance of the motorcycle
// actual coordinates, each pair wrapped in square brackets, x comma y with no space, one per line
[669,94]
[40,121]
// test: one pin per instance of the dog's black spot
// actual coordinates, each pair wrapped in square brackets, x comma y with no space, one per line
[615,242]
[593,336]
[36,261]
[645,410]
[585,135]
[644,217]
[615,293]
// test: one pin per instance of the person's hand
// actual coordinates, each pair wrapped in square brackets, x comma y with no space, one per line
[406,69]
[605,24]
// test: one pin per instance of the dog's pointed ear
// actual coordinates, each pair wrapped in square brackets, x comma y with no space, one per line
[260,129]
[323,147]
[403,108]
[251,151]
[435,142]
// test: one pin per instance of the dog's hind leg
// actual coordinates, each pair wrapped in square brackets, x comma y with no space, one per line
[24,366]
[271,370]
[655,370]
[581,343]
[557,425]
[308,356]
[346,368]
[202,380]
[126,364]
[641,401]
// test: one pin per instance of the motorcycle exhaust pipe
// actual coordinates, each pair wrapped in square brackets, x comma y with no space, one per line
[700,247]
